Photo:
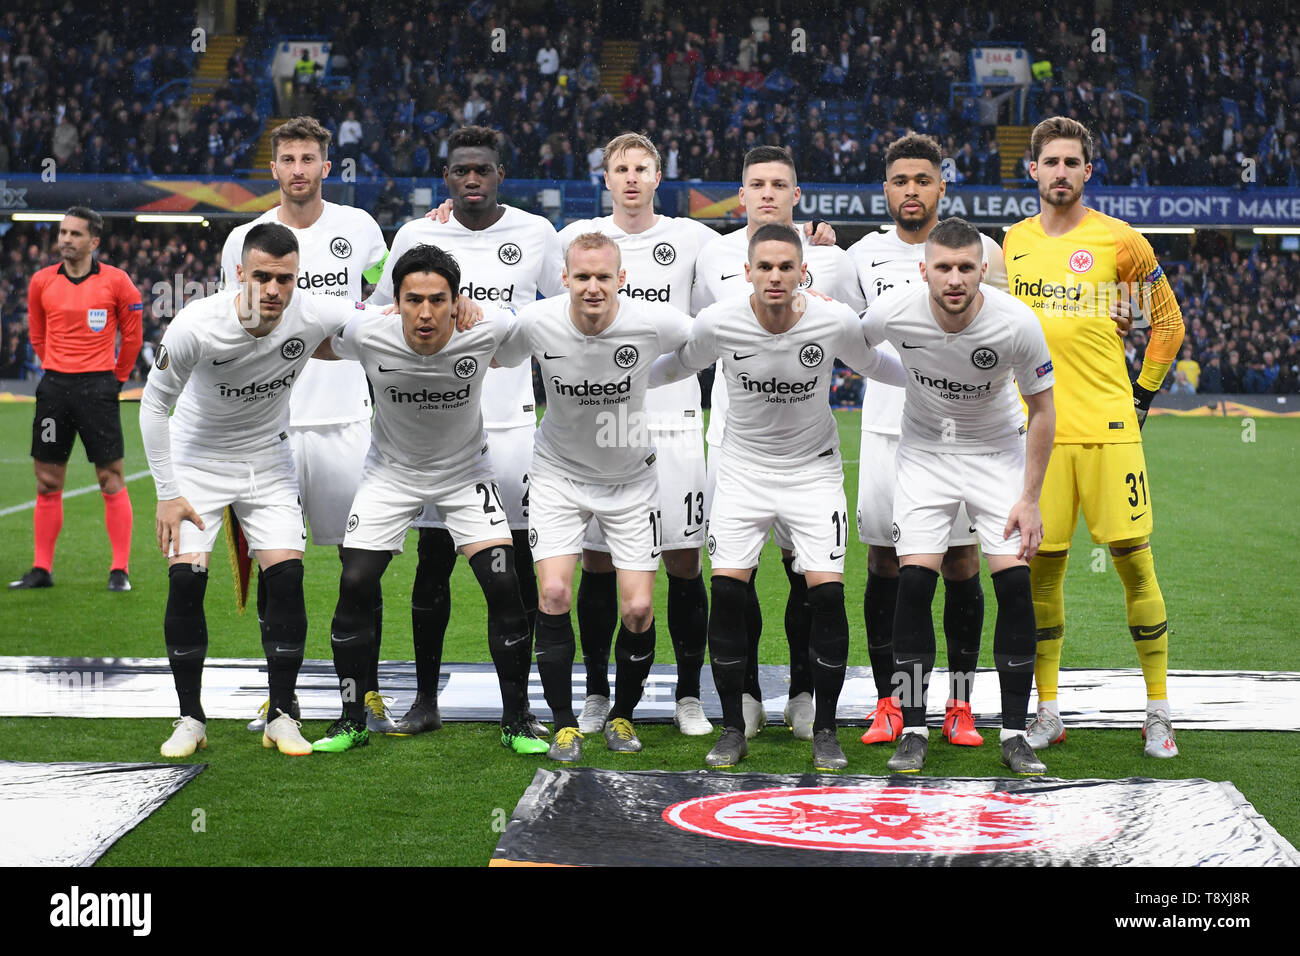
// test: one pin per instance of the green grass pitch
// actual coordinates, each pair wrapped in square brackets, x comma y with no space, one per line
[1225,548]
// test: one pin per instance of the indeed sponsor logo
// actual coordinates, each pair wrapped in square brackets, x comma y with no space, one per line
[1048,290]
[322,280]
[771,386]
[649,295]
[585,387]
[255,389]
[424,395]
[948,385]
[483,293]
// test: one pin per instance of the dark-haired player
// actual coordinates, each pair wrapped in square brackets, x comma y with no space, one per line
[780,467]
[914,187]
[507,257]
[75,311]
[428,448]
[966,347]
[340,249]
[227,363]
[1098,462]
[769,190]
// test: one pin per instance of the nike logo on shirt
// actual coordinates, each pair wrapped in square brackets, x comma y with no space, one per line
[732,276]
[382,369]
[737,357]
[223,361]
[906,346]
[548,355]
[881,262]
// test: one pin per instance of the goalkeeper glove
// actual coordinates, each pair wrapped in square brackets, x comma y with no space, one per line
[1142,403]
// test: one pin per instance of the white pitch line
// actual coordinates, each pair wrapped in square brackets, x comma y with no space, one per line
[28,505]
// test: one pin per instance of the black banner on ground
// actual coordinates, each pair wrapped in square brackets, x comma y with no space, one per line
[586,817]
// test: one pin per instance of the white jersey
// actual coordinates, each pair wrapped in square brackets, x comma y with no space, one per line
[778,416]
[660,264]
[428,419]
[720,274]
[961,386]
[505,265]
[594,428]
[230,389]
[882,261]
[337,254]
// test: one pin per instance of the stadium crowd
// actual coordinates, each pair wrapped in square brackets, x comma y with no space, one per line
[1190,98]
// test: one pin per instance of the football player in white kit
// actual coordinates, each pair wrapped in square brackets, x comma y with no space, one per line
[659,254]
[340,248]
[769,190]
[594,456]
[914,186]
[227,363]
[507,257]
[429,446]
[779,467]
[966,348]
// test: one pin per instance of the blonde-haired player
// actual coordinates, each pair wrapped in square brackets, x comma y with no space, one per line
[1067,264]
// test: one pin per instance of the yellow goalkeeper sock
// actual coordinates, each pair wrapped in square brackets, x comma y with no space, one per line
[1047,581]
[1148,620]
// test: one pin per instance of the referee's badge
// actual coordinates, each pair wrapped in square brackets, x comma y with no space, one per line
[97,319]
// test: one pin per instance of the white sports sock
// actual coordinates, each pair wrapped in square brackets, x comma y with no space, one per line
[1004,735]
[1054,706]
[1158,705]
[919,731]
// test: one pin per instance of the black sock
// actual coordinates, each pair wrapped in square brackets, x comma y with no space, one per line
[798,627]
[688,626]
[372,684]
[634,655]
[828,650]
[914,640]
[431,606]
[963,619]
[753,618]
[509,640]
[352,631]
[879,604]
[597,618]
[285,633]
[527,576]
[728,646]
[1014,644]
[185,630]
[554,651]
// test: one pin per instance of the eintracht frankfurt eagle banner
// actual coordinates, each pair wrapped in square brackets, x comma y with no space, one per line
[588,817]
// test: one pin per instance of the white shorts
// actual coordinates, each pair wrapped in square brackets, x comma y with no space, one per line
[511,450]
[263,492]
[328,459]
[779,534]
[876,479]
[682,503]
[933,485]
[628,517]
[387,500]
[806,507]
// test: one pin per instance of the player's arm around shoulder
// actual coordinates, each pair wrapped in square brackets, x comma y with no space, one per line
[515,343]
[696,350]
[860,355]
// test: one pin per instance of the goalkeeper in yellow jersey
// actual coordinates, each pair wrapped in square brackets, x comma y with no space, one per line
[1068,264]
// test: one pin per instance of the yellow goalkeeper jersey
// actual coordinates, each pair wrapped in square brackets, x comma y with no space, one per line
[1070,281]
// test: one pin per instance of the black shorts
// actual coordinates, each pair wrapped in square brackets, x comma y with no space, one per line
[77,403]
